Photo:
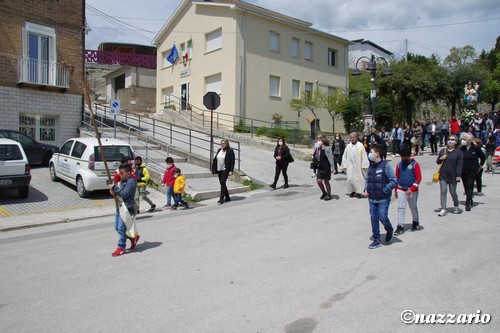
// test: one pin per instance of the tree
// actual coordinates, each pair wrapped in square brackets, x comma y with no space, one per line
[352,113]
[309,100]
[334,104]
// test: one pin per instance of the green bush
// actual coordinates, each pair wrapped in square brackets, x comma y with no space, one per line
[278,132]
[262,131]
[241,128]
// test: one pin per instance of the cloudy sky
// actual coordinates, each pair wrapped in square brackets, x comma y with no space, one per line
[430,26]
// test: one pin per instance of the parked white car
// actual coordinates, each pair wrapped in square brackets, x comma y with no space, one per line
[14,167]
[79,162]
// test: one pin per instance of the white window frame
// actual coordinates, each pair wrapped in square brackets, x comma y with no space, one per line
[332,55]
[213,40]
[295,89]
[214,83]
[34,129]
[274,41]
[274,92]
[308,51]
[41,30]
[295,48]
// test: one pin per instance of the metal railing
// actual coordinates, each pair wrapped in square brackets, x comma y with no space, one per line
[190,140]
[232,122]
[36,71]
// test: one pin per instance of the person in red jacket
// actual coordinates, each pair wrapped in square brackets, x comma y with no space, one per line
[455,126]
[409,176]
[116,177]
[169,180]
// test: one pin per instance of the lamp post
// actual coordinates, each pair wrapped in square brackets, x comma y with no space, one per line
[370,120]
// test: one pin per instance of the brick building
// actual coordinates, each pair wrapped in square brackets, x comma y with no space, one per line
[41,66]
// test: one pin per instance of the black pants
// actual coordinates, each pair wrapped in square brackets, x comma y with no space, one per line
[479,181]
[433,142]
[469,177]
[337,160]
[281,167]
[445,134]
[396,146]
[224,193]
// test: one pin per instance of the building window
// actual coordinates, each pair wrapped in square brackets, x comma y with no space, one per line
[308,51]
[40,128]
[295,47]
[214,83]
[295,89]
[274,41]
[332,58]
[308,89]
[39,61]
[167,97]
[274,86]
[213,40]
[164,56]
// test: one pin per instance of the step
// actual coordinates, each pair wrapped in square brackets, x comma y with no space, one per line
[209,188]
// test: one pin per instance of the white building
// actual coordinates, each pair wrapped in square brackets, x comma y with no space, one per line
[365,48]
[256,59]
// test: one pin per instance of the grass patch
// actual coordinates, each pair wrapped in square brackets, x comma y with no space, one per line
[253,186]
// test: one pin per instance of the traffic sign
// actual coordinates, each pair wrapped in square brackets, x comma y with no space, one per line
[115,107]
[211,100]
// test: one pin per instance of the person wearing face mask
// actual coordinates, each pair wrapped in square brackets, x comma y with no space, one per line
[455,126]
[314,159]
[385,138]
[450,172]
[355,163]
[433,131]
[379,183]
[473,159]
[283,158]
[142,173]
[168,181]
[338,151]
[409,176]
[325,169]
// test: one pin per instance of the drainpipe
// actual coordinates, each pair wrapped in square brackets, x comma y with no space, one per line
[243,67]
[346,68]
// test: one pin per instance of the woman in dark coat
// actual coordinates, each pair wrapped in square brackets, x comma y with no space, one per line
[338,148]
[283,158]
[223,166]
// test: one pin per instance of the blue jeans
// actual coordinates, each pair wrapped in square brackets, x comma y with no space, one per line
[178,200]
[379,211]
[121,228]
[170,193]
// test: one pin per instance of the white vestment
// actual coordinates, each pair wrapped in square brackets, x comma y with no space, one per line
[355,161]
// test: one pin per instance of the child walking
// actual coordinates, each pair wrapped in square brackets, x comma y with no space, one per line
[179,187]
[409,176]
[380,181]
[490,151]
[169,180]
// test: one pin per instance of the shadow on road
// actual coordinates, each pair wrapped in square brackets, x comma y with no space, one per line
[147,246]
[9,197]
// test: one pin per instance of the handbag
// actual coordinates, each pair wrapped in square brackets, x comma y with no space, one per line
[435,176]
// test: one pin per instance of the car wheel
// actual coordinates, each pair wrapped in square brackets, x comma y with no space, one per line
[46,159]
[53,175]
[80,188]
[23,192]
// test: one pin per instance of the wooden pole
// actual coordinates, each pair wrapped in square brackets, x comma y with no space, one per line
[86,95]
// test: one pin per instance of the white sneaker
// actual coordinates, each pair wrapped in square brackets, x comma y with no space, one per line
[313,175]
[456,210]
[443,212]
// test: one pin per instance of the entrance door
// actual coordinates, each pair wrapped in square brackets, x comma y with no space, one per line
[184,96]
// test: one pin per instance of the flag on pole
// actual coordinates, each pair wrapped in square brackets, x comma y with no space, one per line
[187,54]
[173,55]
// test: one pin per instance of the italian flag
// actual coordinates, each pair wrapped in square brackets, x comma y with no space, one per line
[187,54]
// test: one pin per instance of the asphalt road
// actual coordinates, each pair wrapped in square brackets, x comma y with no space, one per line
[281,261]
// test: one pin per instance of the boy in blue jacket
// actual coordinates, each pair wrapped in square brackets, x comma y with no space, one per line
[380,181]
[126,195]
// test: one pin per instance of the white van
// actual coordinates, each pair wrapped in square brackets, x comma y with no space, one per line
[14,167]
[79,162]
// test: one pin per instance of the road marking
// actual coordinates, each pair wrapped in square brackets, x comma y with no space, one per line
[4,212]
[99,202]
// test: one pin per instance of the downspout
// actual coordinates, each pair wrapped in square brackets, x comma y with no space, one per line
[243,72]
[83,33]
[346,68]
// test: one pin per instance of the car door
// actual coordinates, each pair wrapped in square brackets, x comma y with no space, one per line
[31,148]
[75,160]
[63,166]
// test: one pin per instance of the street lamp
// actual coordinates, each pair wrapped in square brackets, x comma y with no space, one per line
[372,68]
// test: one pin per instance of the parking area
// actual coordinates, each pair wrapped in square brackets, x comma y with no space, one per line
[47,196]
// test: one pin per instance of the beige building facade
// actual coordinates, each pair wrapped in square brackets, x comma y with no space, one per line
[257,60]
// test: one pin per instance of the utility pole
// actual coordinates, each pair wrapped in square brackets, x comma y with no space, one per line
[406,50]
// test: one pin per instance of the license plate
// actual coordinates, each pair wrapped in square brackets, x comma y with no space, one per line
[5,182]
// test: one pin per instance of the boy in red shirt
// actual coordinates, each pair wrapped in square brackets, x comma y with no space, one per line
[169,180]
[116,177]
[409,176]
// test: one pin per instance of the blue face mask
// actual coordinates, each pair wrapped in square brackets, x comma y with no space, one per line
[371,157]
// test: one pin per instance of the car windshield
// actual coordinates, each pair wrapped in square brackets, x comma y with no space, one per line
[113,153]
[10,152]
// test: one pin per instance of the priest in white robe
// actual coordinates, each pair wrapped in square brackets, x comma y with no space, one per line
[355,162]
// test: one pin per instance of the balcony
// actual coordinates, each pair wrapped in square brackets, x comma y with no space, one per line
[43,73]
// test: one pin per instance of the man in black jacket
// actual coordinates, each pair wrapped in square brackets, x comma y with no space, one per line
[473,160]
